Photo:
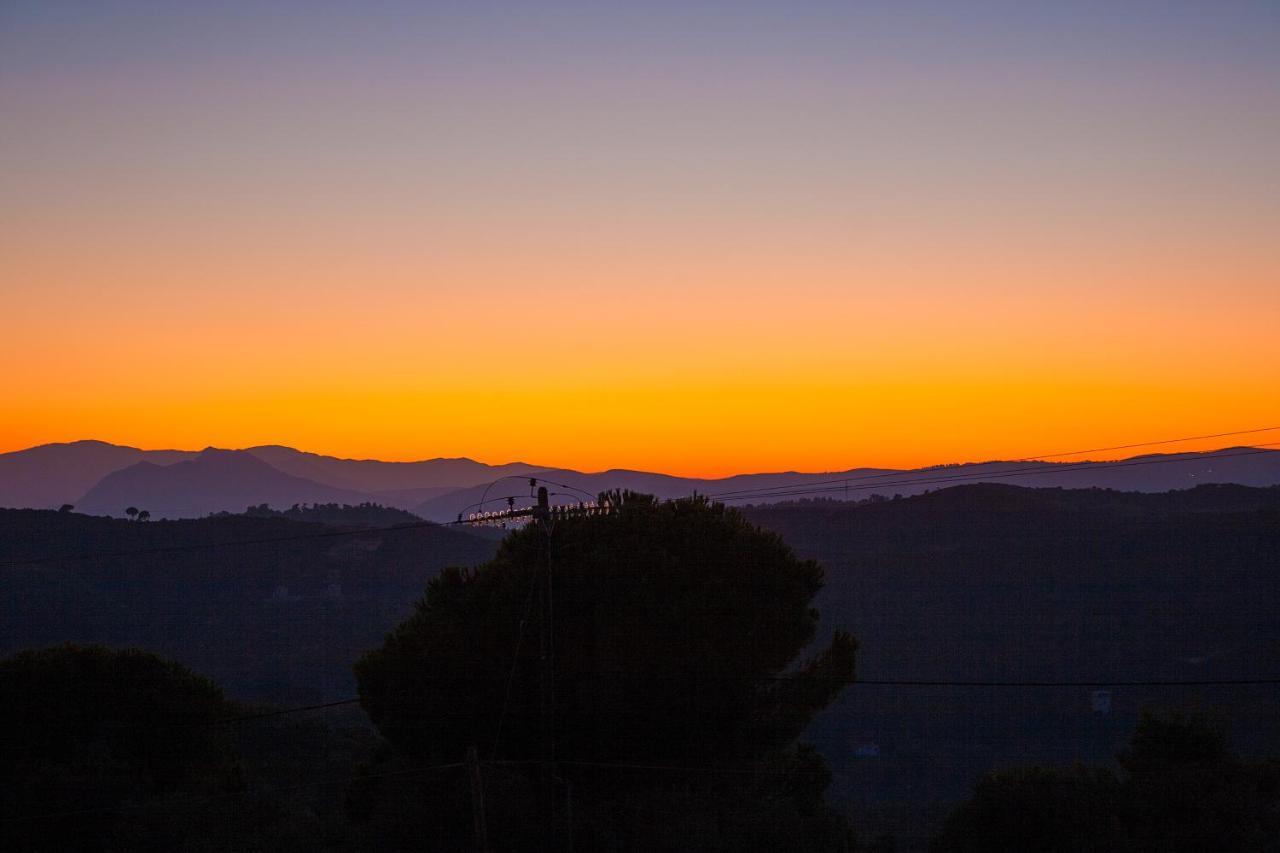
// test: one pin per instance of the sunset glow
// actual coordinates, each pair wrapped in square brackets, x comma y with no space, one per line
[683,241]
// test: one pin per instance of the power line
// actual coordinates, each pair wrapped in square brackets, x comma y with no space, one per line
[1207,682]
[565,486]
[481,503]
[1019,459]
[856,682]
[283,711]
[1074,468]
[1148,443]
[756,771]
[533,481]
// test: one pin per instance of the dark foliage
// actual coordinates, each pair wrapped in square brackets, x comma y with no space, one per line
[671,623]
[89,730]
[1181,791]
[998,582]
[280,619]
[119,750]
[341,515]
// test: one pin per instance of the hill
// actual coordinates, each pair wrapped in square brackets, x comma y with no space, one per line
[214,481]
[580,485]
[281,618]
[50,475]
[1150,473]
[997,583]
[438,489]
[338,515]
[377,477]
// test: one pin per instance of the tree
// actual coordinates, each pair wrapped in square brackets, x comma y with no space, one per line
[90,730]
[1038,809]
[677,628]
[132,512]
[1182,791]
[144,515]
[66,508]
[1189,793]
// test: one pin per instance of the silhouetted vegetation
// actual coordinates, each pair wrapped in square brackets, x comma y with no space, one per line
[672,622]
[121,750]
[279,619]
[89,730]
[997,582]
[1180,790]
[366,514]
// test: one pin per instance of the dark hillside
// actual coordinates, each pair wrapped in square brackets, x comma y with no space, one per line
[995,582]
[274,621]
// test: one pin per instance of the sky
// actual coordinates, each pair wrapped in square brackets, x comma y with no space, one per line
[700,238]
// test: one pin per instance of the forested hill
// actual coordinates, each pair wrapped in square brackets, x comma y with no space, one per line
[1001,581]
[280,617]
[984,507]
[365,514]
[996,583]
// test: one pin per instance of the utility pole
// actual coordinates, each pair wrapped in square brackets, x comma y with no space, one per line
[477,800]
[568,816]
[542,518]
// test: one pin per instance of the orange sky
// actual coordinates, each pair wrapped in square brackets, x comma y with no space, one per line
[754,264]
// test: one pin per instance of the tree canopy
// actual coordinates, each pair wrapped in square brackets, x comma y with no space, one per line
[1181,790]
[91,730]
[677,631]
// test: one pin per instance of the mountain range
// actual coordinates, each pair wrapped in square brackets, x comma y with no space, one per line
[103,479]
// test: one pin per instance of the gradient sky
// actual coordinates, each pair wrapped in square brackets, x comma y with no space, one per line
[697,238]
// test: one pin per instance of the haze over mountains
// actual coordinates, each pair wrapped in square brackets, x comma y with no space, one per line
[103,479]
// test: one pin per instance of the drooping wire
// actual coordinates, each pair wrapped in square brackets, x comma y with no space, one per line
[884,474]
[825,487]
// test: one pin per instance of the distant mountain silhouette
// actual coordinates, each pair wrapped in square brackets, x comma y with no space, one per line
[47,476]
[1239,465]
[579,486]
[50,475]
[375,476]
[438,489]
[214,481]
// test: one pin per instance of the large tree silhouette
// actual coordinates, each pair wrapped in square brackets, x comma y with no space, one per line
[95,737]
[677,632]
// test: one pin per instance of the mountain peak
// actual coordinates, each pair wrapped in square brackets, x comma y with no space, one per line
[214,480]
